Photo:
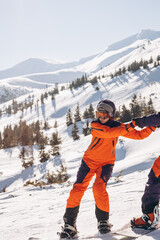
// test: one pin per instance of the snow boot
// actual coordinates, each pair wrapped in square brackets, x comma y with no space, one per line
[68,232]
[147,221]
[104,226]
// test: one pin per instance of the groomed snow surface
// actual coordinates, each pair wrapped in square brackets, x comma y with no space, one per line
[27,212]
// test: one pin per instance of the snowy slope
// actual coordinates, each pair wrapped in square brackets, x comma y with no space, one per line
[27,212]
[111,59]
[34,212]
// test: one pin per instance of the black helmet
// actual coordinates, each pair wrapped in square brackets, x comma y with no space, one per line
[108,106]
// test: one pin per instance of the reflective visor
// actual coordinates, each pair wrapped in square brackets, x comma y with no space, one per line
[102,114]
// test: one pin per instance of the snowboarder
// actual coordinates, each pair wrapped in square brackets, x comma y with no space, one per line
[151,196]
[98,159]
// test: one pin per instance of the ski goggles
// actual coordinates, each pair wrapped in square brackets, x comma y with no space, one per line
[102,114]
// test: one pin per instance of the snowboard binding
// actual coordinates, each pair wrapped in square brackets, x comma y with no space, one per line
[147,221]
[68,232]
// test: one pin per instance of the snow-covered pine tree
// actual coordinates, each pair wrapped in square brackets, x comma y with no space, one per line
[86,114]
[75,132]
[69,120]
[54,142]
[86,129]
[91,111]
[77,116]
[150,107]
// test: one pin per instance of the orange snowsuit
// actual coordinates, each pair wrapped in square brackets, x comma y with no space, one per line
[99,159]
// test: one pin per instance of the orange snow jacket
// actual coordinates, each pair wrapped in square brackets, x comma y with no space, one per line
[101,151]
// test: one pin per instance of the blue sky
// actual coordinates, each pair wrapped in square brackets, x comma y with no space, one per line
[69,30]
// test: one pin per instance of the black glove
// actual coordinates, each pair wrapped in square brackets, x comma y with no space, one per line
[137,122]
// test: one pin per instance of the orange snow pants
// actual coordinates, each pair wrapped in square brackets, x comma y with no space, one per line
[84,177]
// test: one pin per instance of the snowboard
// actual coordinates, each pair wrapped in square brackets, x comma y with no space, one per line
[107,236]
[125,233]
[133,232]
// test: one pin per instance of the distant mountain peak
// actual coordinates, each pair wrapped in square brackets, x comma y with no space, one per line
[148,34]
[143,34]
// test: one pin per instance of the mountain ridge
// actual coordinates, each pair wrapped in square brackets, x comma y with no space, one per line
[37,65]
[33,74]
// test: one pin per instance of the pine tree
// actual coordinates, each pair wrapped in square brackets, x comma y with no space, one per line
[46,125]
[151,60]
[150,107]
[7,137]
[52,97]
[119,72]
[69,120]
[144,107]
[125,115]
[94,80]
[145,64]
[129,68]
[141,63]
[155,64]
[37,127]
[135,107]
[42,99]
[91,111]
[27,161]
[123,70]
[42,141]
[15,106]
[55,90]
[8,110]
[77,116]
[37,133]
[55,150]
[135,66]
[43,156]
[26,134]
[75,132]
[55,124]
[111,75]
[86,114]
[16,135]
[54,142]
[55,139]
[158,58]
[86,129]
[45,95]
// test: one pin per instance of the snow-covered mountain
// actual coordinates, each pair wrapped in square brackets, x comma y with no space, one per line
[33,65]
[37,212]
[41,73]
[122,53]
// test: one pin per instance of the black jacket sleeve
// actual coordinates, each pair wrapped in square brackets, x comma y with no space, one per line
[151,120]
